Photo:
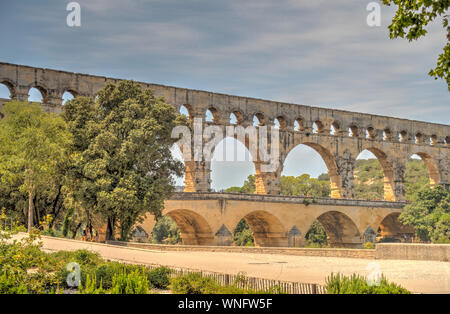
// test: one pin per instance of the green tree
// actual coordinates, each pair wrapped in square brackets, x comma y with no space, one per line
[166,230]
[123,167]
[316,235]
[32,144]
[410,21]
[243,234]
[430,215]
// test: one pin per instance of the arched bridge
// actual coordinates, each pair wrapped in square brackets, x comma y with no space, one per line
[338,136]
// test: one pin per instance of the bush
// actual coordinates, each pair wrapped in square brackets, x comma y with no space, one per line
[133,283]
[11,284]
[193,283]
[159,277]
[356,284]
[91,286]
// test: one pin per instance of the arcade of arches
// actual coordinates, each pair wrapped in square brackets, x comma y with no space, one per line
[207,218]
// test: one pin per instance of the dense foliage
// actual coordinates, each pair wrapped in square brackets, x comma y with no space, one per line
[355,284]
[430,215]
[165,231]
[33,147]
[123,166]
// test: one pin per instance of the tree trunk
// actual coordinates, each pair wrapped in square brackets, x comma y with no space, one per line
[30,209]
[110,229]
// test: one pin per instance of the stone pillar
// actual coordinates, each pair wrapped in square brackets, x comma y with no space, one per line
[267,182]
[399,180]
[21,93]
[53,98]
[346,165]
[197,176]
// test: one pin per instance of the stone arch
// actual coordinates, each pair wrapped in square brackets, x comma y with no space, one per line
[65,97]
[194,229]
[341,230]
[388,172]
[189,109]
[215,114]
[387,134]
[299,124]
[42,90]
[318,127]
[238,115]
[335,128]
[371,133]
[267,229]
[403,136]
[391,229]
[432,167]
[10,86]
[330,162]
[261,118]
[282,122]
[353,130]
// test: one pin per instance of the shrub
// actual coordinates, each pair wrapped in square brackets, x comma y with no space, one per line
[159,277]
[193,283]
[91,286]
[133,283]
[11,284]
[356,284]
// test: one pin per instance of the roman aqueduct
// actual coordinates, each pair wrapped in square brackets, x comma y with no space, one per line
[206,218]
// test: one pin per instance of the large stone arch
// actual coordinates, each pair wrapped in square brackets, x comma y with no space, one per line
[330,162]
[392,229]
[341,229]
[432,167]
[388,172]
[194,229]
[267,229]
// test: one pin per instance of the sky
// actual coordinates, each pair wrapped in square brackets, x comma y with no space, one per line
[319,53]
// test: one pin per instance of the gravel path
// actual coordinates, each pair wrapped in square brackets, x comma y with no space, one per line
[417,276]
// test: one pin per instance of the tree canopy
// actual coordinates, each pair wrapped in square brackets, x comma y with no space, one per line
[33,145]
[123,166]
[429,214]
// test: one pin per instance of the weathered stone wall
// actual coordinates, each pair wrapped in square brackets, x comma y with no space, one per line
[347,253]
[413,251]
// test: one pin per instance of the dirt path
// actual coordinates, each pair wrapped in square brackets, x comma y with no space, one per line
[417,276]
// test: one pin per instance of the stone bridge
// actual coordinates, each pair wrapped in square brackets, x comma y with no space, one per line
[338,136]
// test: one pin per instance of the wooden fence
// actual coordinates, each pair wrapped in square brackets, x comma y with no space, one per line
[259,284]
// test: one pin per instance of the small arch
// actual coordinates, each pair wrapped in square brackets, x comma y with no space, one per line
[37,94]
[186,110]
[267,230]
[318,127]
[299,124]
[194,229]
[447,140]
[236,117]
[211,115]
[392,230]
[403,136]
[353,131]
[68,95]
[258,119]
[387,135]
[433,139]
[335,128]
[371,133]
[280,123]
[418,138]
[6,90]
[341,230]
